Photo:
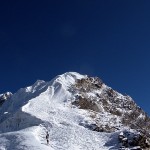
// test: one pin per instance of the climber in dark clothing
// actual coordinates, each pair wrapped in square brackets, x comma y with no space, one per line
[47,137]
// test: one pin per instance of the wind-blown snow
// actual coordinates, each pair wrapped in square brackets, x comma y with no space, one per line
[46,106]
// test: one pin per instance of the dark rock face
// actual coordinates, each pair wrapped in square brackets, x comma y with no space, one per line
[93,95]
[95,127]
[133,140]
[84,103]
[4,97]
[109,99]
[86,85]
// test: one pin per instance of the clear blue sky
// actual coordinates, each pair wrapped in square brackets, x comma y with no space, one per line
[105,38]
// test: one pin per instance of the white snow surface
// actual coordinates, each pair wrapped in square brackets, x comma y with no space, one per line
[46,106]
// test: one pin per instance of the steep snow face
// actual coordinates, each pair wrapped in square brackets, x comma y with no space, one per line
[59,84]
[69,107]
[40,92]
[46,106]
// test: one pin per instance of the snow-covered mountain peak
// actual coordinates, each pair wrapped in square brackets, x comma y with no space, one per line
[74,109]
[67,79]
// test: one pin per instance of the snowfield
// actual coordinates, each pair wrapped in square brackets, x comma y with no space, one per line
[46,106]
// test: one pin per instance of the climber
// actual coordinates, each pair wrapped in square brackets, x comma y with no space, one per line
[47,137]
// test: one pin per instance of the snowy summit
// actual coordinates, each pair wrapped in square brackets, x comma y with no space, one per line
[71,112]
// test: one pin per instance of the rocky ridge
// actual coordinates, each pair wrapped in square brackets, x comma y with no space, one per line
[121,110]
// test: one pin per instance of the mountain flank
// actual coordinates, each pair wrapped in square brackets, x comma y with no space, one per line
[78,112]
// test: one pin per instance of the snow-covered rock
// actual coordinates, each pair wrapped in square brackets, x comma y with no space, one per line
[4,97]
[79,113]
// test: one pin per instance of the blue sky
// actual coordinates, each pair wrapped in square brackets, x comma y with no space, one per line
[105,38]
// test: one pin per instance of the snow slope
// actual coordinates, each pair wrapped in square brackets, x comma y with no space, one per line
[47,106]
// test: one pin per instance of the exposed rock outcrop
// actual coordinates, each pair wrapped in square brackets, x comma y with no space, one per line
[4,97]
[133,140]
[93,95]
